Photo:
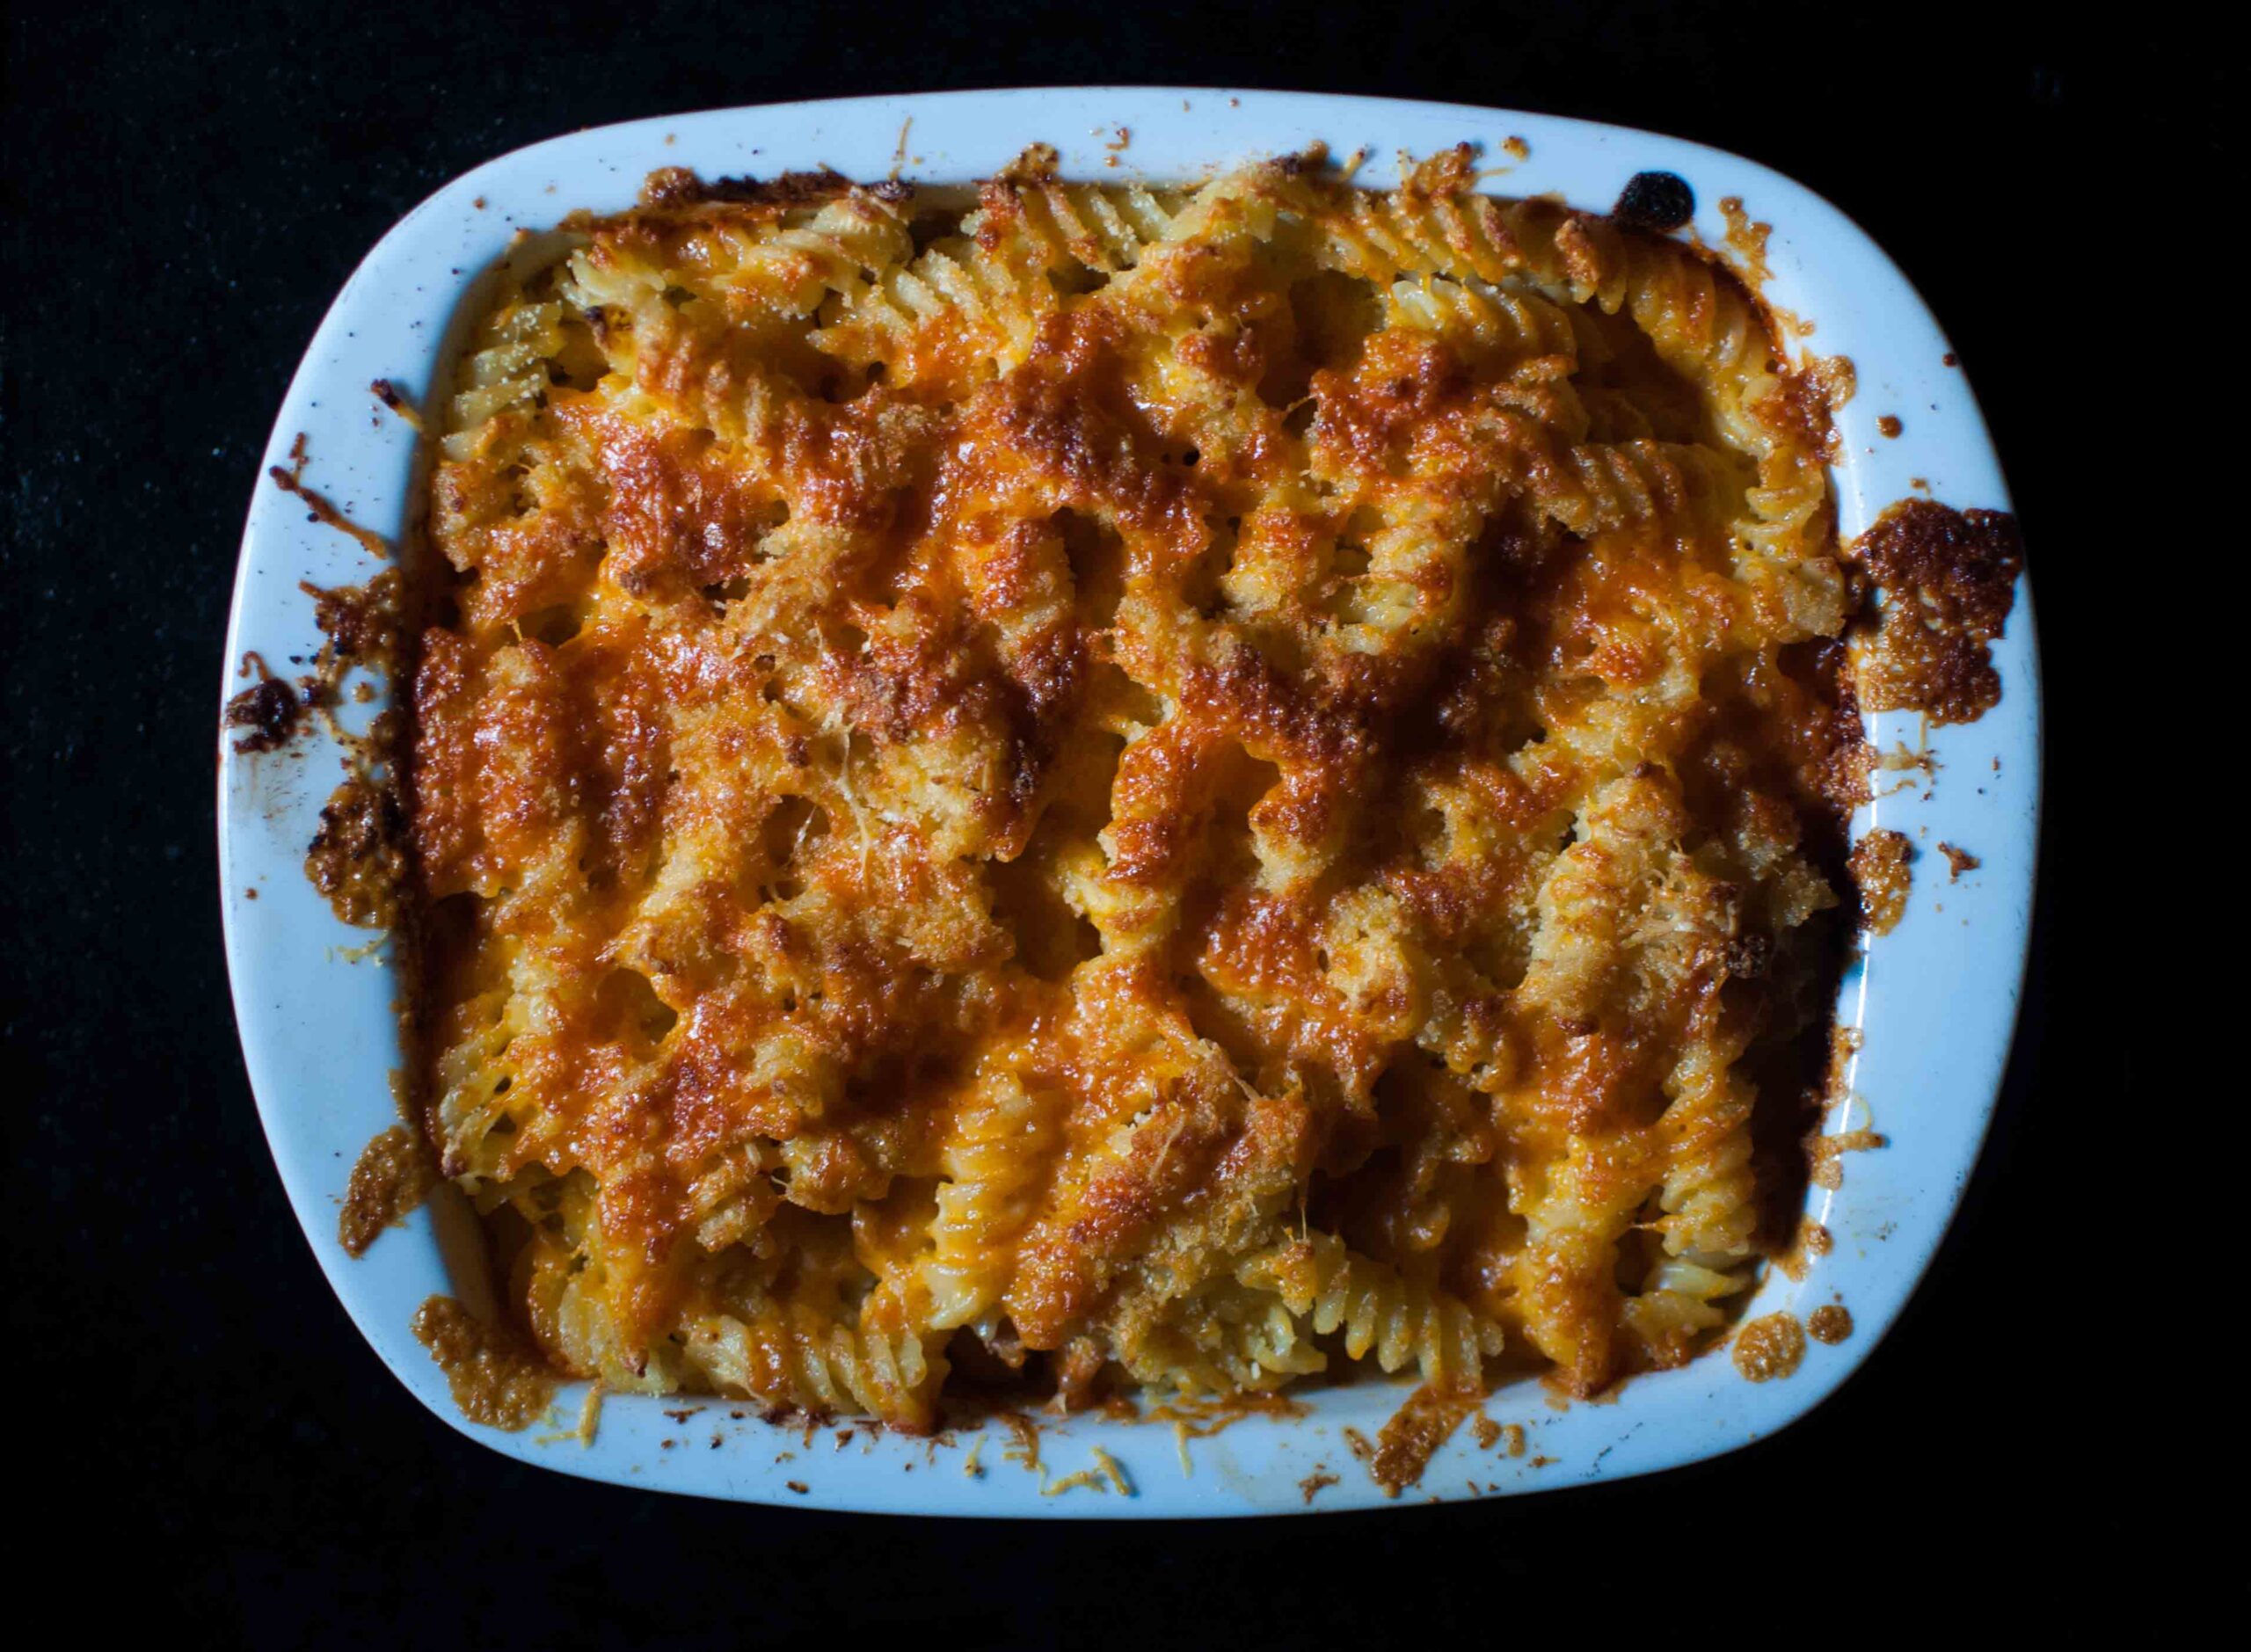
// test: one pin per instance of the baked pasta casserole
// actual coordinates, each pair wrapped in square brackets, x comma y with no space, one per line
[1125,789]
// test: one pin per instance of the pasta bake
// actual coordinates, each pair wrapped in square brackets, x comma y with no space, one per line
[1110,788]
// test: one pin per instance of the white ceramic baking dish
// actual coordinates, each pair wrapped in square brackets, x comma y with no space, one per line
[1934,1000]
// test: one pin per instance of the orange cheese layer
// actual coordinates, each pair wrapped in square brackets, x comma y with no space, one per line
[1169,787]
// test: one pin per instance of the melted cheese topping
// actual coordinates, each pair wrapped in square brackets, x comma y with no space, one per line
[1167,786]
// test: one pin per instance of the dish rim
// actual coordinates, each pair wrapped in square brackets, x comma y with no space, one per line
[316,1015]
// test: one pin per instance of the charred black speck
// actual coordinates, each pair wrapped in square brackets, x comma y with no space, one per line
[1655,201]
[269,710]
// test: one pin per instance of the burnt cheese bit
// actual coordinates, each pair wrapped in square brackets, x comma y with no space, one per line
[391,396]
[496,1381]
[1655,200]
[362,622]
[1958,861]
[1948,580]
[320,508]
[392,1174]
[269,710]
[1830,1323]
[1770,1348]
[358,857]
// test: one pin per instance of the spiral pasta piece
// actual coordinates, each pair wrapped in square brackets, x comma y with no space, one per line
[1378,1310]
[995,1162]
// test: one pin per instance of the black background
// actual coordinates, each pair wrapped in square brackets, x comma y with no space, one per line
[186,187]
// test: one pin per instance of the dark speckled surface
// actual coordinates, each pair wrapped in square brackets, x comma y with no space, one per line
[187,186]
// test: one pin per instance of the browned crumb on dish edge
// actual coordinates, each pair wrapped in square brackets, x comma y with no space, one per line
[391,396]
[1834,378]
[393,1174]
[1403,1445]
[1746,238]
[1770,1347]
[1825,1155]
[1830,1323]
[1948,580]
[290,478]
[1881,878]
[358,858]
[361,629]
[269,710]
[1811,1242]
[1314,1484]
[1958,861]
[1890,425]
[362,623]
[1201,1418]
[495,1380]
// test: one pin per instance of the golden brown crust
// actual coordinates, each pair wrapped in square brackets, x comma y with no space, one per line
[358,857]
[1176,784]
[1770,1347]
[1826,1155]
[495,1379]
[1405,1444]
[1831,1322]
[1948,580]
[1881,876]
[389,1179]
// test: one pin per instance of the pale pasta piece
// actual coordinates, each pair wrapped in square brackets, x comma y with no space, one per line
[1379,1312]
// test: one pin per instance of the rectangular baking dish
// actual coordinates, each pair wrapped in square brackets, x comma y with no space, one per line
[1934,1000]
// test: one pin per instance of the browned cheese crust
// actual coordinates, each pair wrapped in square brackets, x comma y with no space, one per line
[495,1379]
[1405,1444]
[389,1179]
[1949,579]
[1770,1347]
[1127,786]
[1880,865]
[1831,1322]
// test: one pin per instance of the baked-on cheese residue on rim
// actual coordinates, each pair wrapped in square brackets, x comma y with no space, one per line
[1127,785]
